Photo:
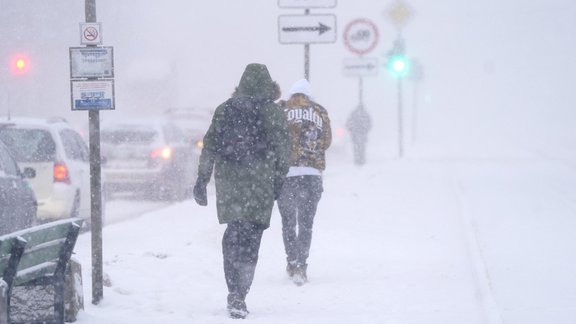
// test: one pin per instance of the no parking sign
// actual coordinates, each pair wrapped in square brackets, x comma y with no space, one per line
[361,36]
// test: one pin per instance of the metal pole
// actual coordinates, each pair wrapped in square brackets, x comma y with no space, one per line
[400,121]
[95,187]
[96,207]
[361,91]
[307,55]
[90,9]
[307,61]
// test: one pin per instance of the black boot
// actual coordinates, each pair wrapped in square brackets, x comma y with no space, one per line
[300,277]
[237,306]
[291,269]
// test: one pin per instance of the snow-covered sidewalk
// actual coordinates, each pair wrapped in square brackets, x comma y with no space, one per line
[410,242]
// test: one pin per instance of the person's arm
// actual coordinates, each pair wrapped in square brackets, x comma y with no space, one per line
[327,131]
[207,158]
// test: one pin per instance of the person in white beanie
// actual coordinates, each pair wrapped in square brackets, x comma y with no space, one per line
[311,135]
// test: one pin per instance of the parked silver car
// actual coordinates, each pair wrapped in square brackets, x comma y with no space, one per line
[194,123]
[147,157]
[60,157]
[17,200]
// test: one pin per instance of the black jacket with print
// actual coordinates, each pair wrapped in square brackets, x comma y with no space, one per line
[310,132]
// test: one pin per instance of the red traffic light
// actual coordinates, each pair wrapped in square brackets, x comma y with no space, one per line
[20,64]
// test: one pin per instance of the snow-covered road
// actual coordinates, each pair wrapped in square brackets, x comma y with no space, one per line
[416,241]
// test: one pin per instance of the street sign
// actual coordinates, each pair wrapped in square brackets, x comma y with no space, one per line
[92,95]
[306,29]
[399,13]
[361,36]
[361,66]
[90,34]
[91,62]
[306,3]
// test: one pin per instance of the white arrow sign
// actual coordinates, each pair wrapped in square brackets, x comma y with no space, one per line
[307,29]
[306,3]
[361,66]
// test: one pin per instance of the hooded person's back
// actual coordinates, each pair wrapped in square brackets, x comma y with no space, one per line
[236,182]
[245,189]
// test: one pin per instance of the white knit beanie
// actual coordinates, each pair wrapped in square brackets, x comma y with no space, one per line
[301,86]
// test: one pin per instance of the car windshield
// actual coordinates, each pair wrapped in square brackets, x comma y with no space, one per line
[128,136]
[29,145]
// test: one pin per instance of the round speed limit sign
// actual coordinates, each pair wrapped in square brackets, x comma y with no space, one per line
[361,36]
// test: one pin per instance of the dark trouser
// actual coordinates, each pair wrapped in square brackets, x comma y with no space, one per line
[297,204]
[359,144]
[240,245]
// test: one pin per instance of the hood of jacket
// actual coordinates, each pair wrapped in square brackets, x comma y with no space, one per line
[257,84]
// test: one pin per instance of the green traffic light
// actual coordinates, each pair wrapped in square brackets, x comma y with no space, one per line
[398,66]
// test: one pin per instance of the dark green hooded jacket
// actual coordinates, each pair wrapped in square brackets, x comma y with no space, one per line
[246,191]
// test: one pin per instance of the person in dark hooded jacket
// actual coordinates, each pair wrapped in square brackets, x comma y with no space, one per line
[247,186]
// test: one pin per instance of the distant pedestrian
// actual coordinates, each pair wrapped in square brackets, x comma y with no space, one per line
[359,125]
[248,147]
[310,133]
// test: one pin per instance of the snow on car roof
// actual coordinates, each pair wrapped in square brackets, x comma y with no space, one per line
[53,122]
[134,123]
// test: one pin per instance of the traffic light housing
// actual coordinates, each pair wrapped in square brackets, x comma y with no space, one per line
[398,65]
[20,64]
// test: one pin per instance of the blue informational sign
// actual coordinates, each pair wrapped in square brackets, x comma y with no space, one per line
[92,94]
[94,104]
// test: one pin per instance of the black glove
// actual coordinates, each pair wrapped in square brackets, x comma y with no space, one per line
[200,194]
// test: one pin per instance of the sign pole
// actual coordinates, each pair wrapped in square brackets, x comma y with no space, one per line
[361,91]
[307,61]
[306,29]
[400,121]
[360,37]
[307,55]
[399,13]
[95,186]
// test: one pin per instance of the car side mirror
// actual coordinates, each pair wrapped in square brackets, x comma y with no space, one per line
[28,173]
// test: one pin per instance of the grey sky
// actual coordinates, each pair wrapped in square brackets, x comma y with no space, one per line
[487,63]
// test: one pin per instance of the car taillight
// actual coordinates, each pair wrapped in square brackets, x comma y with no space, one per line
[61,173]
[164,153]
